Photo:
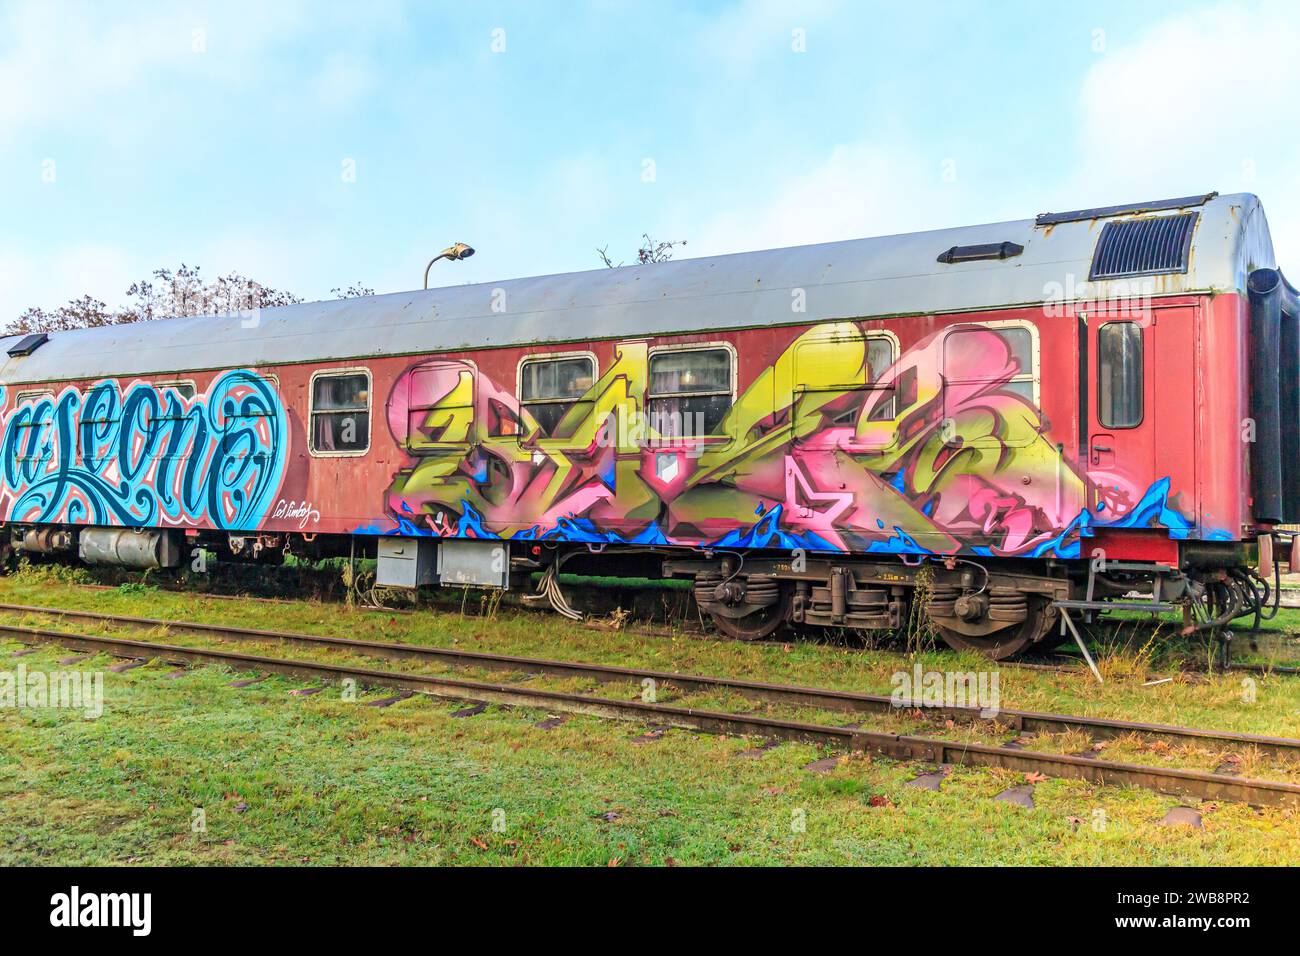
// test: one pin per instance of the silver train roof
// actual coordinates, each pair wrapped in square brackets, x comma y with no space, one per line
[858,278]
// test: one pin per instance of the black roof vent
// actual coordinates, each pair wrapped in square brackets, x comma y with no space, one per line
[1143,247]
[989,250]
[28,344]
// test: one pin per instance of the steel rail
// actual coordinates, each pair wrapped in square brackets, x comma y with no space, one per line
[1064,668]
[838,701]
[1265,669]
[1192,783]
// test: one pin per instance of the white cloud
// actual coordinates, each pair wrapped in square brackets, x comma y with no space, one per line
[861,189]
[62,63]
[739,37]
[343,82]
[1204,100]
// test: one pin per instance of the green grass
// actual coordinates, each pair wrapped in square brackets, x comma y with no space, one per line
[319,779]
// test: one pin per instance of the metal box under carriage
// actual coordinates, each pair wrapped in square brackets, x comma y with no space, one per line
[992,426]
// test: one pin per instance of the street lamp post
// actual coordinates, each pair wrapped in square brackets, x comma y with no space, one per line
[457,251]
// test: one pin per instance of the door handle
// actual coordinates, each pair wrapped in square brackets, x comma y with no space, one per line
[1096,452]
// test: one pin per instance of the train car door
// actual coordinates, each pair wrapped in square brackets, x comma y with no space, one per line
[1141,416]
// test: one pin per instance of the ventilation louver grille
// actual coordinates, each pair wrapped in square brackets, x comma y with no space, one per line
[1138,247]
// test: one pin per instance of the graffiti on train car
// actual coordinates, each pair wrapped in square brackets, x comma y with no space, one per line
[145,455]
[943,451]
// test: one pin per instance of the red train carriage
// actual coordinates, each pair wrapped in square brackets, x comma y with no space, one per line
[993,419]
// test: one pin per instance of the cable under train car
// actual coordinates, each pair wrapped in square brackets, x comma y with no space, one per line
[998,423]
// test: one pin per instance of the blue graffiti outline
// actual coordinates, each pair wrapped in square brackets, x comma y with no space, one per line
[1152,511]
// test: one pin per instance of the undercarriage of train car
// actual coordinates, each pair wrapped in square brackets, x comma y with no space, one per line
[996,607]
[999,612]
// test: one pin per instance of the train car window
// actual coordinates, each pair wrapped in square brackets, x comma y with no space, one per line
[1119,375]
[549,387]
[982,366]
[166,413]
[31,447]
[690,390]
[880,355]
[184,389]
[234,445]
[844,401]
[440,413]
[172,433]
[340,413]
[32,396]
[966,354]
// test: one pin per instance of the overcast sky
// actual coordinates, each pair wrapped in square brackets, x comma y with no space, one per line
[315,145]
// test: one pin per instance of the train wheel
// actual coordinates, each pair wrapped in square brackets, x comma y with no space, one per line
[748,608]
[755,626]
[758,625]
[1009,641]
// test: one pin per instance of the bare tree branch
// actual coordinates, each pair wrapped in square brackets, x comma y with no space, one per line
[650,251]
[166,294]
[355,291]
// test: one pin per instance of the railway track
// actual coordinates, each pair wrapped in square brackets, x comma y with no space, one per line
[686,630]
[932,750]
